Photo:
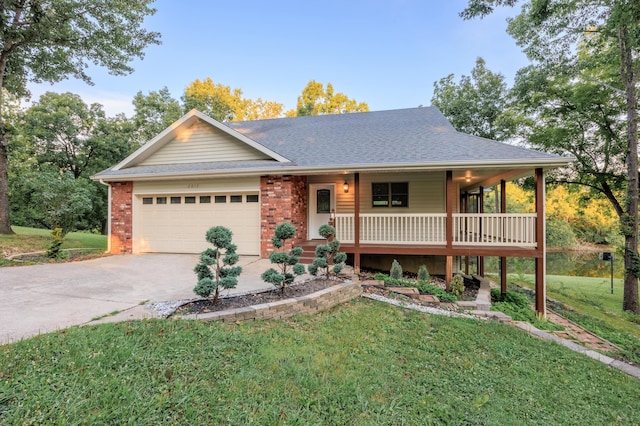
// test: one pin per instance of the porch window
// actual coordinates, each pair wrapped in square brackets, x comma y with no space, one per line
[390,194]
[323,201]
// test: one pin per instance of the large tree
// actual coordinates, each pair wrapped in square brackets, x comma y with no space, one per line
[476,104]
[154,112]
[223,103]
[50,41]
[317,100]
[550,32]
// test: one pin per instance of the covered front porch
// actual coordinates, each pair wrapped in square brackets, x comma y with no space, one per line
[462,231]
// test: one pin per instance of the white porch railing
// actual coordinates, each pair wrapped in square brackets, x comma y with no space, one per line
[495,229]
[425,228]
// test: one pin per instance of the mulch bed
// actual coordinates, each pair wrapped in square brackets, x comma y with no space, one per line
[30,259]
[243,300]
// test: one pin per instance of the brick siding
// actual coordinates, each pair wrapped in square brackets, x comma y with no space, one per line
[283,199]
[121,217]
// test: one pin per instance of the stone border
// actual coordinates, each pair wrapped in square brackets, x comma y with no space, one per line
[302,305]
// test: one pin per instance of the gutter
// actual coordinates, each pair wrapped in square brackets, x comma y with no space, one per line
[344,169]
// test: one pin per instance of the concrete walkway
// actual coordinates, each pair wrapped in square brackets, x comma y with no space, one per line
[44,298]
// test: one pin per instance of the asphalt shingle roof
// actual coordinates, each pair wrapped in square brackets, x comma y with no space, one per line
[415,136]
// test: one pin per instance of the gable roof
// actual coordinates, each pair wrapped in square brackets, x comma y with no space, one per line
[172,133]
[420,138]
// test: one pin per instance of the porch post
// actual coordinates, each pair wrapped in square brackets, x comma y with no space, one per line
[503,260]
[481,211]
[449,226]
[541,296]
[356,222]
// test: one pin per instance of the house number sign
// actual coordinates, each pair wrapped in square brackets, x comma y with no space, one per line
[193,185]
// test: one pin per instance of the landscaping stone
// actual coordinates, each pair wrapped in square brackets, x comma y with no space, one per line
[407,291]
[428,298]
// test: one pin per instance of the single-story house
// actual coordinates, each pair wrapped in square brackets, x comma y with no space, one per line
[395,183]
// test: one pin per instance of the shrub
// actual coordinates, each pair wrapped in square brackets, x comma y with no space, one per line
[457,286]
[57,238]
[433,290]
[423,274]
[288,266]
[560,234]
[215,268]
[328,254]
[396,270]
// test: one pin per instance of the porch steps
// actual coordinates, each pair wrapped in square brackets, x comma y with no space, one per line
[309,253]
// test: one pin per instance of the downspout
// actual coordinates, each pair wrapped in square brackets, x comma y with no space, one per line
[108,215]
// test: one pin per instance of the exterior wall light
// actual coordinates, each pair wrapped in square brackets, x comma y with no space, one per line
[345,187]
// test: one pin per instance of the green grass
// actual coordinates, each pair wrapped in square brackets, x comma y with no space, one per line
[364,363]
[30,240]
[591,304]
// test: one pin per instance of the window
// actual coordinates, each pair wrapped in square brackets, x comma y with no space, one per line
[394,194]
[236,198]
[161,200]
[147,200]
[221,199]
[176,200]
[252,198]
[189,200]
[205,199]
[323,201]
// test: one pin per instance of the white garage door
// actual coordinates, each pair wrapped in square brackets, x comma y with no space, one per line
[177,223]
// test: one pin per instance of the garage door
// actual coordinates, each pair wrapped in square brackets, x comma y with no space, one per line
[177,223]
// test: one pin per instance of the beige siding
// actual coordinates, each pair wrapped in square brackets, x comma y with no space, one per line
[202,142]
[426,192]
[344,201]
[197,186]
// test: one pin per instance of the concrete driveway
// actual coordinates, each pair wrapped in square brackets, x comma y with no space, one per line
[43,298]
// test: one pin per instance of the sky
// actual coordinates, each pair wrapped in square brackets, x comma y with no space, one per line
[387,53]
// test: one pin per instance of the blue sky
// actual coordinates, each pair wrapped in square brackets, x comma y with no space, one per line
[386,53]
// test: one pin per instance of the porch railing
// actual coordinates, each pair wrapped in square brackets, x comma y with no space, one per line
[430,228]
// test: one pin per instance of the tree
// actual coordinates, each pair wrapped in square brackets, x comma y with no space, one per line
[477,104]
[328,254]
[316,100]
[49,41]
[154,112]
[61,134]
[288,266]
[215,269]
[550,33]
[225,104]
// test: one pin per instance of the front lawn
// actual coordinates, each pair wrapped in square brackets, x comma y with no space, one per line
[363,363]
[30,240]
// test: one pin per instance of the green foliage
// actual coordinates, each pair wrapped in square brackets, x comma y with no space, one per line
[329,260]
[396,270]
[518,306]
[154,112]
[457,286]
[423,274]
[288,266]
[315,100]
[57,238]
[477,104]
[560,234]
[423,287]
[215,269]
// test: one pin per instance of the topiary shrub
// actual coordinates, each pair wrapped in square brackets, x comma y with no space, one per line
[328,255]
[396,270]
[215,268]
[288,266]
[423,274]
[457,286]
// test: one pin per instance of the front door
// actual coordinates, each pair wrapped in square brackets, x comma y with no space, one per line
[321,202]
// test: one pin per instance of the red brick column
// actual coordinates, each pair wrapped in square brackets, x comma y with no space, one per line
[121,217]
[283,199]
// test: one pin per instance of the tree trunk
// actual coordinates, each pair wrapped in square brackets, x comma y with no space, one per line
[5,225]
[630,221]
